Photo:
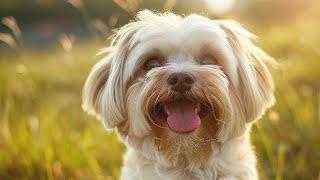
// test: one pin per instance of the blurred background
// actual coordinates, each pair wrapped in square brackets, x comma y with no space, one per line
[47,48]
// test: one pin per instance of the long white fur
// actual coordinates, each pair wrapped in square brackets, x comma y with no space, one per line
[246,83]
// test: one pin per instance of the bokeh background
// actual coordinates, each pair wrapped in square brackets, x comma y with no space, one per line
[47,48]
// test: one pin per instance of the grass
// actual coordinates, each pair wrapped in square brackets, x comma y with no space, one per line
[44,133]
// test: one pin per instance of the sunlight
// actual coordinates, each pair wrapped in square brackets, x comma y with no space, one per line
[219,6]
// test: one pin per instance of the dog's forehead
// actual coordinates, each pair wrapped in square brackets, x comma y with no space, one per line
[182,35]
[180,42]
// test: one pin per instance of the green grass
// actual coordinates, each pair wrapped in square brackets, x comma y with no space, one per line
[45,135]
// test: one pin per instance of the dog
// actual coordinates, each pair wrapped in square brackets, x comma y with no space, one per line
[182,94]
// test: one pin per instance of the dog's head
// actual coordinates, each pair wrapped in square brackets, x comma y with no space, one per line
[187,82]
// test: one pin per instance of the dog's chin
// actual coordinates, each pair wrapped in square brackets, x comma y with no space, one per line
[180,115]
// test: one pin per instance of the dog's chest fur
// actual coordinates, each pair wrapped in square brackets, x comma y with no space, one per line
[235,160]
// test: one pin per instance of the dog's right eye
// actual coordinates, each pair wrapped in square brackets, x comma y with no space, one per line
[152,63]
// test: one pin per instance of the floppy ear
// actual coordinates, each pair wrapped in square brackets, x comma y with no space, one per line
[95,84]
[102,94]
[255,82]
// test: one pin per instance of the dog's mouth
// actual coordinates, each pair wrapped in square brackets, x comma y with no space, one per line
[181,115]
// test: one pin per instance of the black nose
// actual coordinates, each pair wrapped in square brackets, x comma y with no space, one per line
[181,81]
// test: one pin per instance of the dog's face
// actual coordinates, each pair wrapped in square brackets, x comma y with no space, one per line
[189,83]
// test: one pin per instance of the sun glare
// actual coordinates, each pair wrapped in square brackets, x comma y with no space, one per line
[220,6]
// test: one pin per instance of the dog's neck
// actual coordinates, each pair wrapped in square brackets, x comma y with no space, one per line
[235,153]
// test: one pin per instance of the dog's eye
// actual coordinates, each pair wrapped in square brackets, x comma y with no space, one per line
[152,63]
[208,60]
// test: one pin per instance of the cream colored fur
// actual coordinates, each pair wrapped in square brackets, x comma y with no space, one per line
[238,88]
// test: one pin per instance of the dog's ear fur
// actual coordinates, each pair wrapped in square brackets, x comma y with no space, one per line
[103,92]
[95,84]
[255,81]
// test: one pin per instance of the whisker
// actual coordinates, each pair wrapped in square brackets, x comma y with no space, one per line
[221,121]
[155,124]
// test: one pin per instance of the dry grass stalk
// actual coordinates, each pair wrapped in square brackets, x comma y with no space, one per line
[100,25]
[11,23]
[78,4]
[66,42]
[5,125]
[8,39]
[169,4]
[131,6]
[113,20]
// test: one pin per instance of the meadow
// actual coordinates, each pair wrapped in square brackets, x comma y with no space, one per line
[44,134]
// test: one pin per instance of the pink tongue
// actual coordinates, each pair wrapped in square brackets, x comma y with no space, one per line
[182,118]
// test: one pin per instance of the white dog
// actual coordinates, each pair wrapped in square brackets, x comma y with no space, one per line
[182,93]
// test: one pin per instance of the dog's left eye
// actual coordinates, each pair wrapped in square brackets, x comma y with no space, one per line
[209,60]
[152,63]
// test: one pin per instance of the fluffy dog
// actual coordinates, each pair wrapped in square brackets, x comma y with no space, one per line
[182,94]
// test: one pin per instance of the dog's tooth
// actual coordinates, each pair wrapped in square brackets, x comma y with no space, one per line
[166,110]
[197,108]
